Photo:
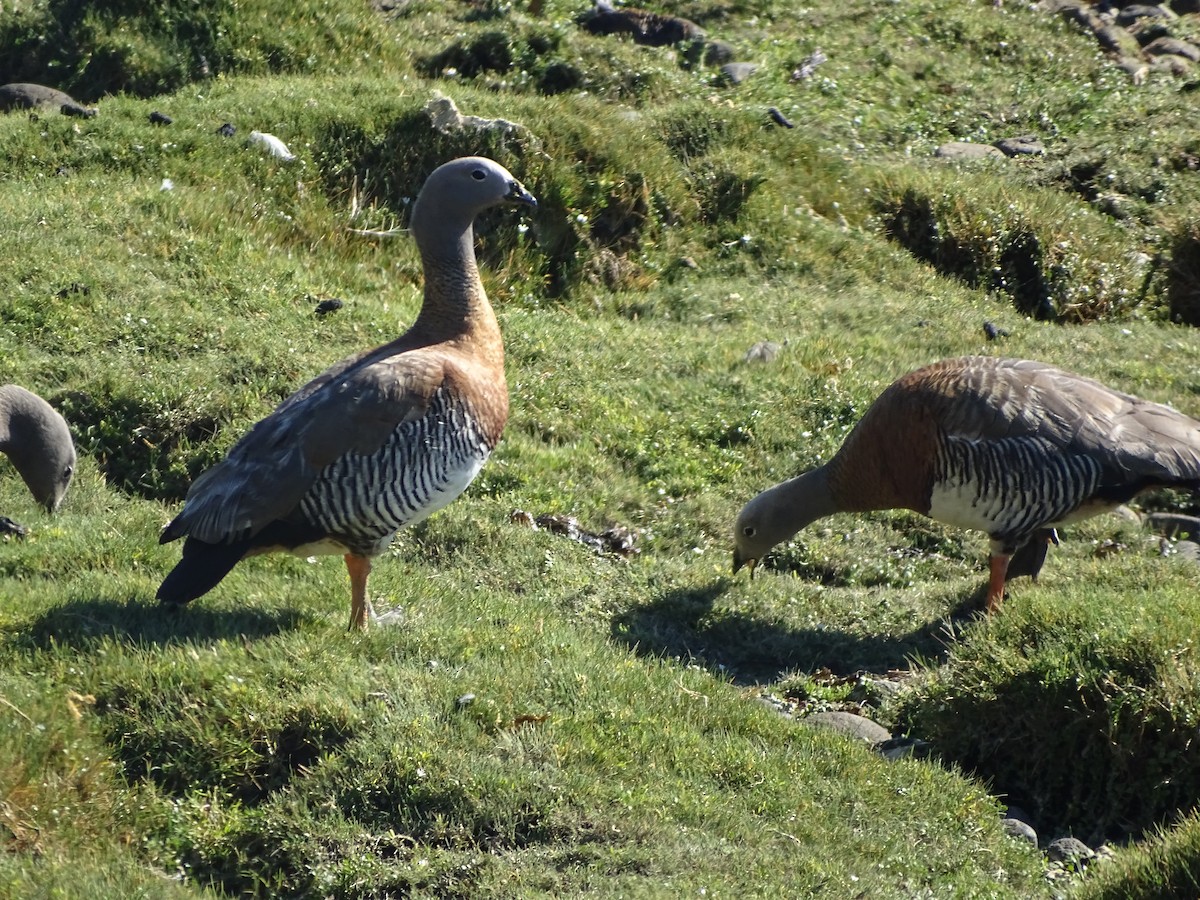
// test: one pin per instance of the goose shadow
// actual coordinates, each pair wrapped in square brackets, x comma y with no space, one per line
[686,624]
[82,623]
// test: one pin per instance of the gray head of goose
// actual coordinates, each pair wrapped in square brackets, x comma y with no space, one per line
[457,191]
[38,443]
[778,513]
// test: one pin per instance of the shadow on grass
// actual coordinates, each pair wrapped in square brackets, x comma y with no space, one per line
[83,623]
[687,624]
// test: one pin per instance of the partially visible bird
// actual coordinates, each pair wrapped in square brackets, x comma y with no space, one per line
[1009,447]
[38,443]
[382,439]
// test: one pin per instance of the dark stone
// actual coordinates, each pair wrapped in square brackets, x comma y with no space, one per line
[1174,47]
[1173,64]
[1025,145]
[708,53]
[991,331]
[1069,850]
[37,96]
[226,130]
[717,53]
[1174,525]
[76,110]
[1022,830]
[904,748]
[779,118]
[650,29]
[329,305]
[157,118]
[1132,14]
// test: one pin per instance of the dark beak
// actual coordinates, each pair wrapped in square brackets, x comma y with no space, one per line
[738,562]
[518,194]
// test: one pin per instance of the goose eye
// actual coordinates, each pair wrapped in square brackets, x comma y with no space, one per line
[748,531]
[478,174]
[68,471]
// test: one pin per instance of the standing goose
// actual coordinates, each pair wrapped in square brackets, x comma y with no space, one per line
[382,439]
[38,444]
[1010,447]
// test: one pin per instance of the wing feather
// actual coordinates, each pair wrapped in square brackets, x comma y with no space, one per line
[988,399]
[351,408]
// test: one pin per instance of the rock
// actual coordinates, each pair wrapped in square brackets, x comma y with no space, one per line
[446,118]
[328,305]
[157,118]
[1173,64]
[227,130]
[1138,69]
[1165,46]
[1189,550]
[1173,525]
[737,72]
[1025,145]
[709,53]
[21,95]
[967,150]
[1070,851]
[1117,40]
[904,748]
[650,29]
[1135,13]
[1020,829]
[849,724]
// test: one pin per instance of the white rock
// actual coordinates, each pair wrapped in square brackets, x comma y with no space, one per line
[274,145]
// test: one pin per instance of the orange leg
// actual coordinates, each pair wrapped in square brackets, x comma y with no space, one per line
[998,564]
[359,569]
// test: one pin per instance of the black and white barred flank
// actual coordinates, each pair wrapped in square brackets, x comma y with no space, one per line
[1016,484]
[362,499]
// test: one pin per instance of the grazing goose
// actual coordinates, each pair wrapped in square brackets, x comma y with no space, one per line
[38,444]
[1010,447]
[382,439]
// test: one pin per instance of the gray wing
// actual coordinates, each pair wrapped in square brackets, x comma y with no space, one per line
[351,408]
[1134,439]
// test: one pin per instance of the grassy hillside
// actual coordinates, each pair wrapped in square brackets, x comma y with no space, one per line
[539,719]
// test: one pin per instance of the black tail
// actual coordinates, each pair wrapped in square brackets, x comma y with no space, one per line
[201,569]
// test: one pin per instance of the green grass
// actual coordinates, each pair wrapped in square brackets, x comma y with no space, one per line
[539,720]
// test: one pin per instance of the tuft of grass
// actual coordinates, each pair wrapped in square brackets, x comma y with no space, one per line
[1111,688]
